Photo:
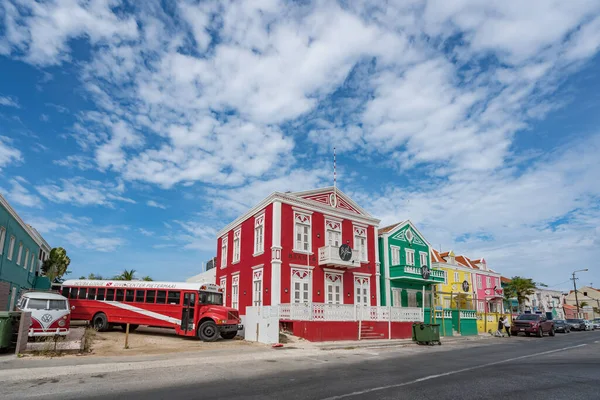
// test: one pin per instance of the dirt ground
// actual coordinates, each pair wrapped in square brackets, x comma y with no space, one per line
[149,341]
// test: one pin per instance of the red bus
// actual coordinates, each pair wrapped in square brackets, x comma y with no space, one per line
[192,309]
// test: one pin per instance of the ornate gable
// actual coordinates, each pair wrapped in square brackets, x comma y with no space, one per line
[408,233]
[338,200]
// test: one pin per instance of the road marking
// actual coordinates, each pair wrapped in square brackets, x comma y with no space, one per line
[426,378]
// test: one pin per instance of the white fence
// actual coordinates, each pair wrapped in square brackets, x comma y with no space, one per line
[348,312]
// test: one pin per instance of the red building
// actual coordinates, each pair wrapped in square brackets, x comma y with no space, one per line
[287,250]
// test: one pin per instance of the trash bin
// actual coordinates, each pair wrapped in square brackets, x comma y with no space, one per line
[426,334]
[8,326]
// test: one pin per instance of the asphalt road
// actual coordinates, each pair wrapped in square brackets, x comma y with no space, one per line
[563,367]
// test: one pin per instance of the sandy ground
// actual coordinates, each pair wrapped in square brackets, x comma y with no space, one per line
[147,341]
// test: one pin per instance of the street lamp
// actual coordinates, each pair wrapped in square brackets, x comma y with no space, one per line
[575,287]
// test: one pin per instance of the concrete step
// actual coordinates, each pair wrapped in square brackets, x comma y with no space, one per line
[372,336]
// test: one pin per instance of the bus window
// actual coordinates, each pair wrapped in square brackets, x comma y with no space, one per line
[100,295]
[161,297]
[110,294]
[65,292]
[210,298]
[129,295]
[73,293]
[174,297]
[120,295]
[139,296]
[91,294]
[82,293]
[150,295]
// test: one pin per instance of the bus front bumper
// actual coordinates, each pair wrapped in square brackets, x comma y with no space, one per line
[231,328]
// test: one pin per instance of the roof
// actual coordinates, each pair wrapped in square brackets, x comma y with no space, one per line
[569,307]
[388,228]
[140,284]
[37,238]
[504,279]
[44,295]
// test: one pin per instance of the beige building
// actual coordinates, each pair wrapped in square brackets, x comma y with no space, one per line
[589,301]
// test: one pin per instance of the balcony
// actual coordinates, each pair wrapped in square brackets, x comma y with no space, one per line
[330,256]
[412,273]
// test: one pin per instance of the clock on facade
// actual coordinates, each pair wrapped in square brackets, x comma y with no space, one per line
[425,272]
[345,252]
[465,286]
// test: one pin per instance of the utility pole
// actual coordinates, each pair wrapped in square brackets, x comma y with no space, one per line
[575,287]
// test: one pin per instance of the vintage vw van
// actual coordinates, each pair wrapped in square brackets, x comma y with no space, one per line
[50,313]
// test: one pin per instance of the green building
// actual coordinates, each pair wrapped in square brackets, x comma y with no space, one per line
[407,279]
[22,251]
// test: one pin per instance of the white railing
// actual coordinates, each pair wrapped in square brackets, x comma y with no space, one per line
[409,269]
[468,315]
[330,255]
[348,312]
[446,313]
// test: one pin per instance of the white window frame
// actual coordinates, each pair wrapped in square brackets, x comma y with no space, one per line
[456,277]
[333,232]
[410,257]
[467,277]
[479,282]
[2,239]
[412,297]
[257,287]
[301,221]
[301,276]
[223,284]
[33,268]
[395,255]
[488,282]
[361,243]
[334,280]
[235,291]
[259,234]
[19,253]
[396,297]
[423,256]
[237,245]
[224,250]
[26,263]
[497,283]
[362,289]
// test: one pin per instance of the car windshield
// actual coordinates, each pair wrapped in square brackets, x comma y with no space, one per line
[210,298]
[58,305]
[559,322]
[528,317]
[37,304]
[574,320]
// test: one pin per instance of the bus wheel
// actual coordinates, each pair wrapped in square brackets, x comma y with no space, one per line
[100,322]
[131,327]
[229,335]
[208,331]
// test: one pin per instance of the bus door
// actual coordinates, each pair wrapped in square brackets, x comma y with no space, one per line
[187,313]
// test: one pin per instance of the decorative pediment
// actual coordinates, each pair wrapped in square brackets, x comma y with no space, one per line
[333,198]
[408,234]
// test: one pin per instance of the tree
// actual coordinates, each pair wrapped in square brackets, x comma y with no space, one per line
[92,277]
[583,304]
[127,275]
[56,265]
[520,288]
[147,278]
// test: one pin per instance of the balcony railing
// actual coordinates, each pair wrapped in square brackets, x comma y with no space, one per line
[410,271]
[348,312]
[330,255]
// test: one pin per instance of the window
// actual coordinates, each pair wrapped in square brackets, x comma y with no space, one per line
[2,239]
[209,298]
[257,287]
[81,294]
[360,243]
[410,257]
[456,278]
[302,232]
[224,251]
[37,304]
[32,268]
[57,304]
[396,297]
[412,298]
[150,296]
[11,247]
[129,295]
[488,282]
[120,295]
[333,288]
[26,259]
[423,260]
[100,295]
[223,284]
[498,282]
[362,291]
[467,277]
[91,293]
[479,285]
[65,292]
[235,291]
[259,234]
[73,293]
[237,236]
[19,253]
[301,286]
[395,255]
[139,296]
[334,238]
[161,296]
[174,297]
[110,294]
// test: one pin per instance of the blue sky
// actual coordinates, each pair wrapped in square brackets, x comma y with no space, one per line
[130,133]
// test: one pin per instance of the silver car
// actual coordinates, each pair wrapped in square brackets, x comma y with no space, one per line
[589,326]
[596,322]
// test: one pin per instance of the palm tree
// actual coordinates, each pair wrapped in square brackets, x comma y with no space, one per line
[583,304]
[127,275]
[147,278]
[520,288]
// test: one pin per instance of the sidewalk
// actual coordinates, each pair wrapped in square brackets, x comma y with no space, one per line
[378,343]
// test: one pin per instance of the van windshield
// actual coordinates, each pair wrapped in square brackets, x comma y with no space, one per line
[37,304]
[58,305]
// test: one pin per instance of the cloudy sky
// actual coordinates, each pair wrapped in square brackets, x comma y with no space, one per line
[130,133]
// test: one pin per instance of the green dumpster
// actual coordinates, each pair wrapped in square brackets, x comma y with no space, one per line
[8,321]
[426,334]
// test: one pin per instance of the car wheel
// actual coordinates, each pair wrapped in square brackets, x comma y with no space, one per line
[100,322]
[551,333]
[208,331]
[540,332]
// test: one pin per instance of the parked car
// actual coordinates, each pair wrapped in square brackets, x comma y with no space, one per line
[596,322]
[532,323]
[576,324]
[560,325]
[589,326]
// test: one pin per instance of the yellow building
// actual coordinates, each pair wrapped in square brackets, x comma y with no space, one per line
[457,290]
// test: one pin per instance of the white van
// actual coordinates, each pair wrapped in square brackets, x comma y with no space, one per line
[50,313]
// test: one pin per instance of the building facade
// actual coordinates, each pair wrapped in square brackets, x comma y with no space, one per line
[308,247]
[544,301]
[22,251]
[407,278]
[588,298]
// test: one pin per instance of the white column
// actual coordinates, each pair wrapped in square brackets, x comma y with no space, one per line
[276,255]
[386,260]
[377,269]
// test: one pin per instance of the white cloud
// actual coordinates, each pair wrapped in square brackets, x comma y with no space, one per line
[19,194]
[9,102]
[83,192]
[152,203]
[145,232]
[88,242]
[8,154]
[76,161]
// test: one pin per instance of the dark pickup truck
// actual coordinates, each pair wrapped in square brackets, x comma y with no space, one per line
[532,324]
